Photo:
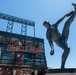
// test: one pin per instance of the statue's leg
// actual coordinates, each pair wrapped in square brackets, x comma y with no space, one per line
[65,32]
[66,49]
[65,54]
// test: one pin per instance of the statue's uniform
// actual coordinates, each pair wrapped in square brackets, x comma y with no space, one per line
[52,33]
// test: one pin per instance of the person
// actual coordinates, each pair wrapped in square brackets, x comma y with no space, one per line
[53,34]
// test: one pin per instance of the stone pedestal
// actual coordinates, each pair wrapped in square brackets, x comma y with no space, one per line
[68,71]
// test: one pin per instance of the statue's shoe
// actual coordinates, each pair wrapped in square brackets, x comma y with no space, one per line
[74,4]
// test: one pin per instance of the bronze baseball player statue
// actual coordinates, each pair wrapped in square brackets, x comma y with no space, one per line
[53,34]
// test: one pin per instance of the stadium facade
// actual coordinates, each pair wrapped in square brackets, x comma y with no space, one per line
[21,54]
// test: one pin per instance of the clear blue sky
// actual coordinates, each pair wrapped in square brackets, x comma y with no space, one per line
[39,11]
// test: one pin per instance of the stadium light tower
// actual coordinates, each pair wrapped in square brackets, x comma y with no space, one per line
[12,19]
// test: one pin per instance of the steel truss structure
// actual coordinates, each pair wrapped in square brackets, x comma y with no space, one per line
[12,19]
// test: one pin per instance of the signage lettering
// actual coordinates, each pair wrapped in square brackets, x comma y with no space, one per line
[19,48]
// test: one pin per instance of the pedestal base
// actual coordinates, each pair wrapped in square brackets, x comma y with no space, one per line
[69,71]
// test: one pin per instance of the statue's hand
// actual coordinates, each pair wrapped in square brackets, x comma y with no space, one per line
[52,52]
[67,15]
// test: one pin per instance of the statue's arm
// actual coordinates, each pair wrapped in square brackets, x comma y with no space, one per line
[52,47]
[59,21]
[49,38]
[51,43]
